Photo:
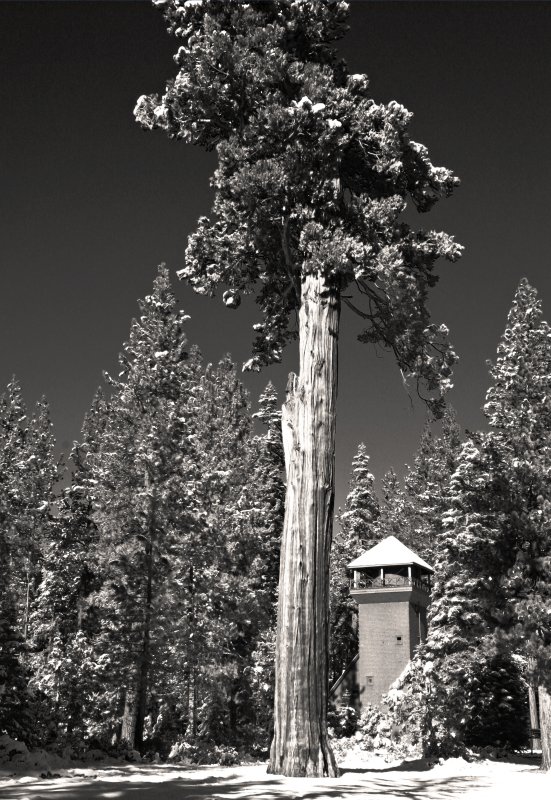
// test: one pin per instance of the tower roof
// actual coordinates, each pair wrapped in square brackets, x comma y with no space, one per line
[386,553]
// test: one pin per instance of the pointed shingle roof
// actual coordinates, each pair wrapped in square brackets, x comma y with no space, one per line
[386,553]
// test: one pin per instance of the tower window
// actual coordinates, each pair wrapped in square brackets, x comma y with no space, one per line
[398,640]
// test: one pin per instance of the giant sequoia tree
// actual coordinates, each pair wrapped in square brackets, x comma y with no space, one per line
[313,176]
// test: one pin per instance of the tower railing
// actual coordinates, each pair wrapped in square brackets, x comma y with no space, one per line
[389,582]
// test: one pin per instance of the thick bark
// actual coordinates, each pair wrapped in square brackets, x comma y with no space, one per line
[534,715]
[129,716]
[545,726]
[300,746]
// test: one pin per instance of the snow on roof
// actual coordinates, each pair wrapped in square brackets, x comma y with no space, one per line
[389,551]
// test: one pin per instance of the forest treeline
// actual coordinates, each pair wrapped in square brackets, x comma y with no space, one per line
[138,604]
[138,595]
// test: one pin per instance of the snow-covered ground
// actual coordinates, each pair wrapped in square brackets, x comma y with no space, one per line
[360,779]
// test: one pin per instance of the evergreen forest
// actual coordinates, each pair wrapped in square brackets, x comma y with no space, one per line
[140,578]
[176,587]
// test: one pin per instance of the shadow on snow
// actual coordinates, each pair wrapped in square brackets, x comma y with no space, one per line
[120,784]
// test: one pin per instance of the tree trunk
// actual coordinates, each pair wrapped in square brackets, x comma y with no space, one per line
[192,657]
[135,705]
[192,707]
[545,727]
[145,660]
[27,603]
[534,716]
[300,746]
[128,729]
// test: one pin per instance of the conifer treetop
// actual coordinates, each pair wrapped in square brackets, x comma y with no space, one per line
[268,410]
[361,510]
[522,371]
[313,176]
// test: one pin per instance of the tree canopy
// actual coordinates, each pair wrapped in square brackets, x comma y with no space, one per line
[313,175]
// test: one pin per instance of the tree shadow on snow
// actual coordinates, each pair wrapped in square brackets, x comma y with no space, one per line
[416,789]
[417,765]
[236,787]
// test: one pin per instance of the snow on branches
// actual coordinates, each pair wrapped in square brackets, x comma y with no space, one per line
[313,176]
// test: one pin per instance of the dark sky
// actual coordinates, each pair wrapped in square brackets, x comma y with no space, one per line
[90,204]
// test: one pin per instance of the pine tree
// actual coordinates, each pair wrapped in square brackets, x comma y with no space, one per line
[412,509]
[38,488]
[28,473]
[495,702]
[12,416]
[15,455]
[173,546]
[427,481]
[216,619]
[62,639]
[396,511]
[169,534]
[355,533]
[144,476]
[312,178]
[13,679]
[361,507]
[472,551]
[518,407]
[264,498]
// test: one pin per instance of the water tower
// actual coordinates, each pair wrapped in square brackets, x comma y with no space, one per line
[391,585]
